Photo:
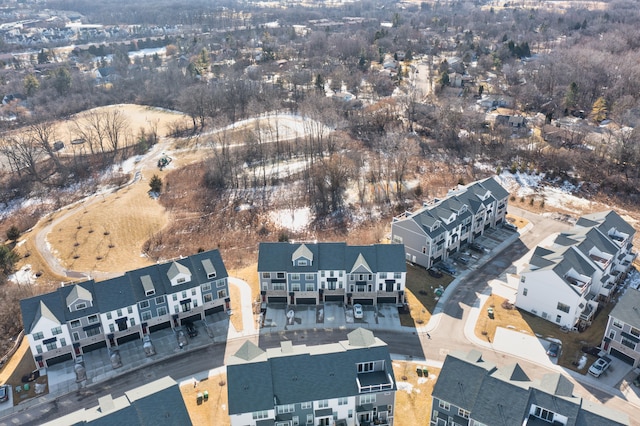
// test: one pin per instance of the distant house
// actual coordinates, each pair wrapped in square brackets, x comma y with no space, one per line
[517,121]
[622,335]
[440,228]
[157,403]
[312,273]
[90,315]
[565,282]
[348,383]
[472,392]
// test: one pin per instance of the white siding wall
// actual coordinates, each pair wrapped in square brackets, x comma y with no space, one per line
[45,325]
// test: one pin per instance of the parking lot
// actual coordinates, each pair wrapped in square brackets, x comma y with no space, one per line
[279,317]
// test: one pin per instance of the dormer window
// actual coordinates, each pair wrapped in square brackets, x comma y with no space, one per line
[302,263]
[212,275]
[150,292]
[181,280]
[80,306]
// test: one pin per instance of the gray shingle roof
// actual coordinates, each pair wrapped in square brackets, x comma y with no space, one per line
[627,309]
[460,380]
[301,374]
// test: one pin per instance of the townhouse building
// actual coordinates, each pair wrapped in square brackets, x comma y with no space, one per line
[312,273]
[565,281]
[472,392]
[350,383]
[86,316]
[441,227]
[622,335]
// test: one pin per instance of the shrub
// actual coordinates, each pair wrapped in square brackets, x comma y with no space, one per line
[13,233]
[155,184]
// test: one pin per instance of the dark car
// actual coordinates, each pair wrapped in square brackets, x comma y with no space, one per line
[636,381]
[4,393]
[192,331]
[449,269]
[478,248]
[434,273]
[31,376]
[553,350]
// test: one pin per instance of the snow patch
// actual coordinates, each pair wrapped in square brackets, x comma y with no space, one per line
[405,386]
[23,276]
[294,220]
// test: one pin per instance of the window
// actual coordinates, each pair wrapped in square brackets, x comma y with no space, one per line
[525,291]
[160,300]
[63,342]
[397,275]
[176,309]
[221,283]
[76,336]
[280,274]
[558,318]
[369,398]
[617,323]
[323,403]
[181,280]
[564,308]
[635,332]
[208,298]
[302,263]
[112,328]
[398,287]
[222,294]
[382,275]
[39,349]
[38,335]
[93,332]
[444,405]
[266,275]
[184,294]
[129,310]
[92,319]
[260,415]
[295,277]
[174,297]
[161,311]
[295,286]
[628,343]
[150,292]
[612,334]
[340,274]
[278,286]
[463,413]
[380,286]
[309,419]
[309,287]
[146,315]
[119,312]
[132,321]
[75,323]
[80,306]
[309,277]
[306,405]
[289,408]
[296,420]
[350,414]
[193,291]
[544,414]
[343,401]
[109,315]
[363,367]
[205,287]
[211,275]
[144,304]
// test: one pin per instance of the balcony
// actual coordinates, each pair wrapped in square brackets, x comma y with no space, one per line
[582,285]
[374,381]
[601,261]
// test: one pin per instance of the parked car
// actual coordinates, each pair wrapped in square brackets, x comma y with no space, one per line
[600,366]
[510,226]
[464,260]
[4,393]
[449,269]
[358,313]
[554,349]
[434,273]
[192,331]
[636,381]
[477,247]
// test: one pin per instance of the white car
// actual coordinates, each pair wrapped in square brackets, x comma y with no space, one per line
[600,366]
[357,311]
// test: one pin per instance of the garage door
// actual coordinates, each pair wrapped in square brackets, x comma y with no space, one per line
[160,326]
[386,300]
[59,359]
[94,346]
[305,301]
[214,310]
[363,301]
[622,357]
[274,299]
[128,338]
[192,318]
[334,298]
